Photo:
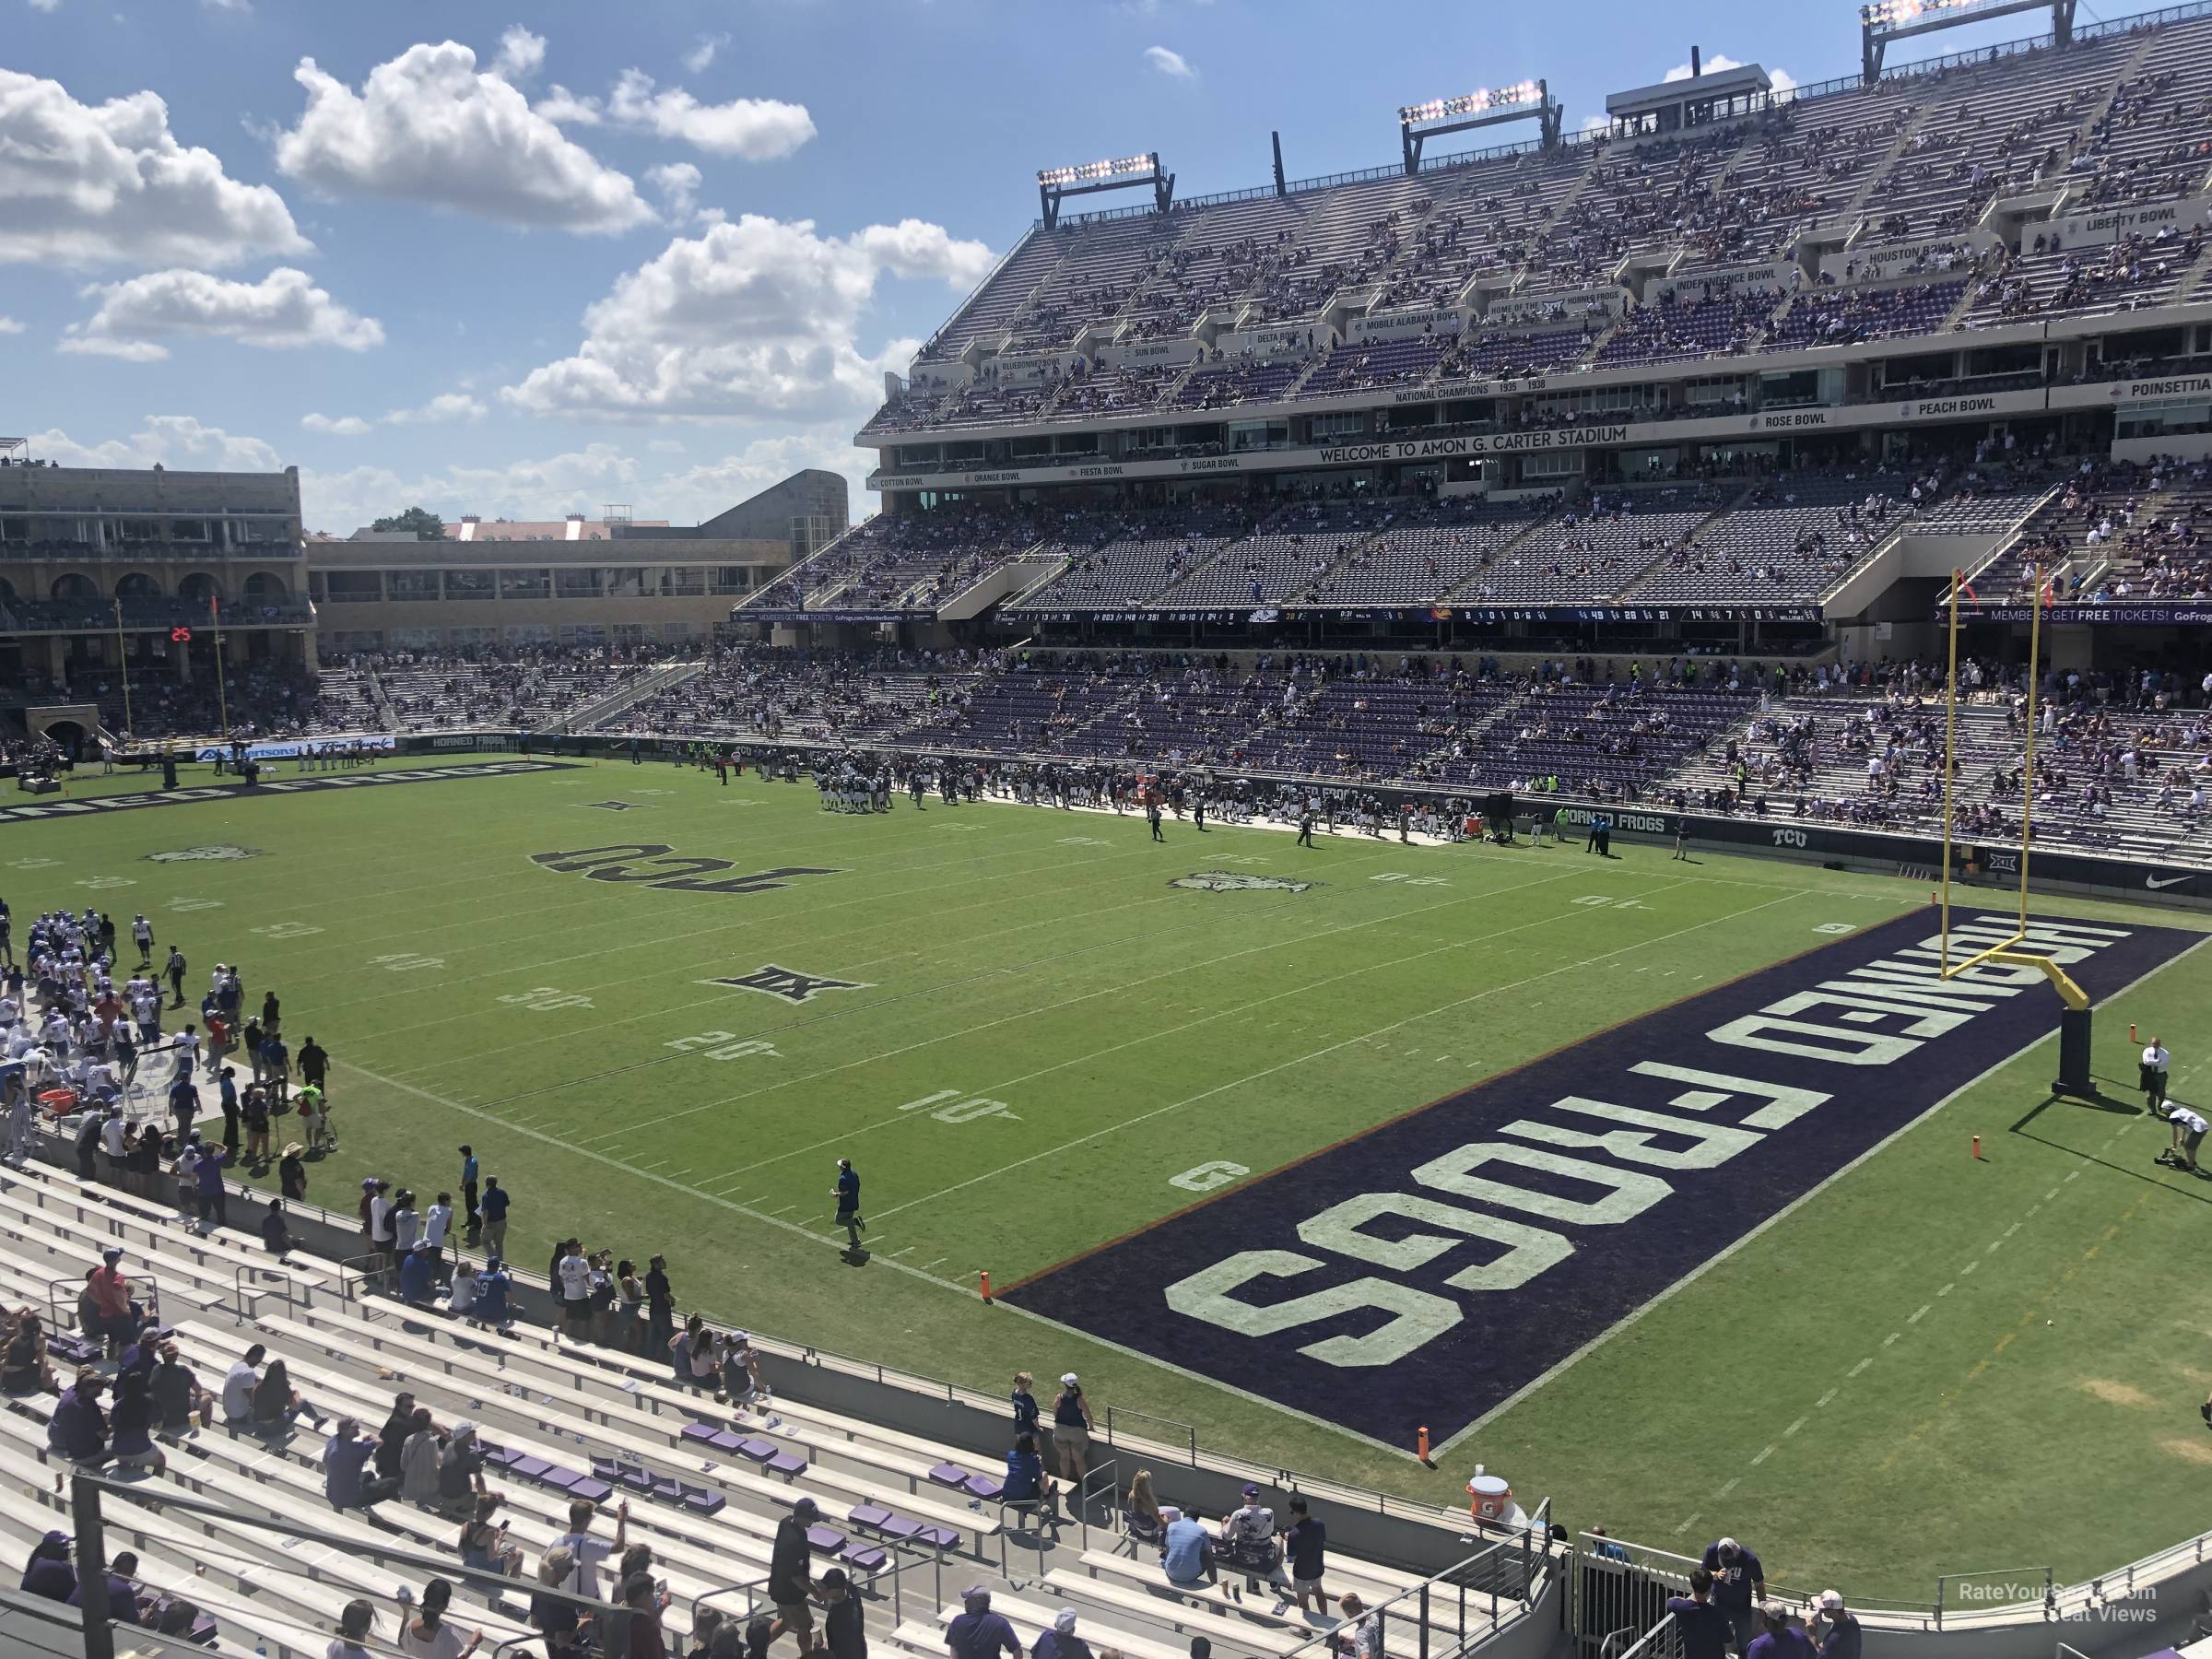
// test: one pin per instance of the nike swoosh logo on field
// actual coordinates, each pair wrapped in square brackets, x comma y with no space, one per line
[2163,881]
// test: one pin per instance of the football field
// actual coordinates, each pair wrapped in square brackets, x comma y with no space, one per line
[1646,1182]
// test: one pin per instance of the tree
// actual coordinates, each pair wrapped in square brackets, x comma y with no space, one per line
[427,526]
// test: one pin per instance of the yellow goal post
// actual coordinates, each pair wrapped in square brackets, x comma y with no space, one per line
[2008,950]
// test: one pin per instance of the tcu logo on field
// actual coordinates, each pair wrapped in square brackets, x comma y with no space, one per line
[1791,838]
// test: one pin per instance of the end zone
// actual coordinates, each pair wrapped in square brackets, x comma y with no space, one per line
[1429,1270]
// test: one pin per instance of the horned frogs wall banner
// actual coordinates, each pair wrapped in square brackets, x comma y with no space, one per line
[1234,881]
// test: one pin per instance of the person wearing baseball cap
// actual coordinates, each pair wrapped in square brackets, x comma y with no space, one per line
[790,1579]
[976,1632]
[1071,1430]
[844,1622]
[1738,1583]
[1779,1638]
[1061,1642]
[1834,1633]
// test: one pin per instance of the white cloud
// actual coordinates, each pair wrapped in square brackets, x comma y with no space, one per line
[677,182]
[700,491]
[427,126]
[445,408]
[1596,124]
[284,310]
[170,439]
[700,56]
[1172,64]
[755,317]
[1784,82]
[522,55]
[8,325]
[229,5]
[44,5]
[755,129]
[344,426]
[917,248]
[1712,64]
[576,481]
[84,184]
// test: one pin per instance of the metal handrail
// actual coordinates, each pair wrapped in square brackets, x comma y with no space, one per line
[282,1284]
[748,1586]
[1112,1486]
[1420,1592]
[1651,1557]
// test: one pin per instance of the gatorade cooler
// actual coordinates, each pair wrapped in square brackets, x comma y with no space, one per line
[58,1102]
[1493,1497]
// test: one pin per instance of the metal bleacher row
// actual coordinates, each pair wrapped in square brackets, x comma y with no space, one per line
[1920,153]
[911,1520]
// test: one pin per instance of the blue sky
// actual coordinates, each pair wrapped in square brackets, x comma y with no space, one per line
[533,258]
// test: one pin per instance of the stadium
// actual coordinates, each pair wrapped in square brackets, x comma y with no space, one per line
[1501,857]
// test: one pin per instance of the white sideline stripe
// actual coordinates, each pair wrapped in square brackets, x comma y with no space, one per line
[1791,1208]
[920,1272]
[1332,1048]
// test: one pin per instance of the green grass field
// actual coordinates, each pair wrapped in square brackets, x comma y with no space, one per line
[1129,1031]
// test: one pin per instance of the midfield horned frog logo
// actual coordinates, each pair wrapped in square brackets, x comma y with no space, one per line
[1232,881]
[203,854]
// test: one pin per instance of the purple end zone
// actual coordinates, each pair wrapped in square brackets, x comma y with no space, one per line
[1424,1271]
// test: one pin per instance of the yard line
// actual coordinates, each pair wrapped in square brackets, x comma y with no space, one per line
[1070,1002]
[1330,1049]
[1916,1318]
[1891,1337]
[1861,1366]
[1795,1427]
[1824,1399]
[1762,1457]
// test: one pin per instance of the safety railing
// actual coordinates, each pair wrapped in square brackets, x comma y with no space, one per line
[746,1588]
[1182,1431]
[91,1494]
[1106,1479]
[1502,1578]
[264,1283]
[2000,1587]
[1672,1571]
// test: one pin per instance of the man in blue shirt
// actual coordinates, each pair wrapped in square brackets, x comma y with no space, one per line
[491,1292]
[415,1280]
[976,1632]
[847,1193]
[1703,1628]
[123,1596]
[494,1212]
[1738,1583]
[79,1429]
[1187,1551]
[1834,1633]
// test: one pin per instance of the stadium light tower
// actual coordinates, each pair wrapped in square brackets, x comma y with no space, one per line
[1054,185]
[1527,101]
[1887,20]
